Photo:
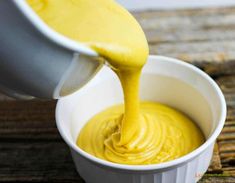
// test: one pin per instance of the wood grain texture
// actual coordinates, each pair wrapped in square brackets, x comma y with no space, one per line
[226,140]
[217,179]
[31,150]
[215,166]
[37,161]
[27,120]
[202,35]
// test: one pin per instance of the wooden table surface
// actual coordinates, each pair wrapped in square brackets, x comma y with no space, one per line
[31,150]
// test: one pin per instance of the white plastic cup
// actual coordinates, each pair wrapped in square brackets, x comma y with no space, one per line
[166,80]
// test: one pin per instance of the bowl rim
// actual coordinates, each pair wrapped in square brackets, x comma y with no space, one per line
[163,165]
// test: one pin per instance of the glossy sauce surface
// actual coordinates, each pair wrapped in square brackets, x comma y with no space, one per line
[130,134]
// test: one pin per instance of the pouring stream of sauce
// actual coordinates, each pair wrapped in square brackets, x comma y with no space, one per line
[135,134]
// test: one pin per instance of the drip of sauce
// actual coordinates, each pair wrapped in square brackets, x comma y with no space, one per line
[133,134]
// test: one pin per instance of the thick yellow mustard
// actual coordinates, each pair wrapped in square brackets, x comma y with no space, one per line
[135,133]
[164,134]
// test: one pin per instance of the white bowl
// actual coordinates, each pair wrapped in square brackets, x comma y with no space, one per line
[166,80]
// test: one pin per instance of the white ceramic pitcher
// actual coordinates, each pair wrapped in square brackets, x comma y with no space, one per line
[37,61]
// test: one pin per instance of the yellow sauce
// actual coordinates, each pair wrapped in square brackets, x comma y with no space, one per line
[165,134]
[131,134]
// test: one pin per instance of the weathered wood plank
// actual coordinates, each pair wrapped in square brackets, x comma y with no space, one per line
[217,179]
[227,146]
[215,166]
[192,35]
[197,51]
[226,140]
[32,120]
[185,12]
[36,162]
[219,69]
[229,129]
